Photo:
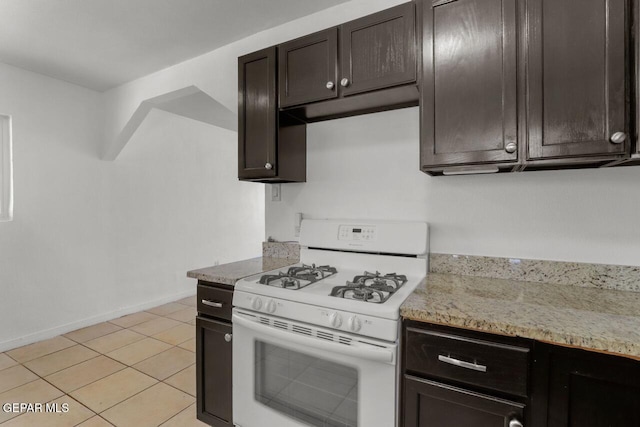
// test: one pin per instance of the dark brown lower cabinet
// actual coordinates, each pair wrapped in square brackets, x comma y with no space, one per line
[456,378]
[433,404]
[213,366]
[453,377]
[592,390]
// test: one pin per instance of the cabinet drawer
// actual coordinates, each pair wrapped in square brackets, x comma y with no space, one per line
[489,365]
[215,302]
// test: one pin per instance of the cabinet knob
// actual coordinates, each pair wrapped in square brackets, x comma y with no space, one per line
[344,82]
[268,166]
[330,85]
[511,147]
[515,423]
[618,137]
[227,338]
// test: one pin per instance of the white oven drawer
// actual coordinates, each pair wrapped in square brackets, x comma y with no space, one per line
[294,374]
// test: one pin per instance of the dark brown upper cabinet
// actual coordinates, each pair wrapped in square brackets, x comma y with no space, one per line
[469,83]
[309,68]
[577,78]
[512,85]
[257,114]
[376,52]
[282,88]
[271,147]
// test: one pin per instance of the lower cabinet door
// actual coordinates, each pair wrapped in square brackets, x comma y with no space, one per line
[431,404]
[592,390]
[213,367]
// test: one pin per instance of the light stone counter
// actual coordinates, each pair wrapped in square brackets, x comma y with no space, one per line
[230,273]
[589,318]
[603,276]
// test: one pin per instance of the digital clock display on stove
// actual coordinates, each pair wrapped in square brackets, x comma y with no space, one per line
[357,233]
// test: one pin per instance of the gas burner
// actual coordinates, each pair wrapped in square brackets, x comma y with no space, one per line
[370,287]
[298,277]
[319,272]
[389,282]
[283,280]
[360,292]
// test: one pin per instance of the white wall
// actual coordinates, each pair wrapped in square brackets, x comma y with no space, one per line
[216,72]
[55,256]
[368,167]
[178,205]
[92,240]
[91,237]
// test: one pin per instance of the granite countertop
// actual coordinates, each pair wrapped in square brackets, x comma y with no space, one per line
[230,273]
[594,319]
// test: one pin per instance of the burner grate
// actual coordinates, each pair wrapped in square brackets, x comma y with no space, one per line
[298,277]
[370,287]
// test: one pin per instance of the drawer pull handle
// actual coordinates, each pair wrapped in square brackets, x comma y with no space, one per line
[462,364]
[212,303]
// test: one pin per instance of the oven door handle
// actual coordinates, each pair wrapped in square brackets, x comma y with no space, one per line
[381,355]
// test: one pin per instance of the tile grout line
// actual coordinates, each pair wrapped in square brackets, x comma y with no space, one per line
[147,388]
[174,416]
[94,415]
[173,375]
[58,351]
[95,357]
[124,400]
[69,394]
[125,365]
[131,366]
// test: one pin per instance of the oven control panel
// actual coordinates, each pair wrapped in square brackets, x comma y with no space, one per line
[357,232]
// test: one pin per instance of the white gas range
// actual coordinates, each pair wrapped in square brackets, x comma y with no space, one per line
[316,344]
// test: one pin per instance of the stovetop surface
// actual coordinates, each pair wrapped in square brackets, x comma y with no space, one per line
[325,292]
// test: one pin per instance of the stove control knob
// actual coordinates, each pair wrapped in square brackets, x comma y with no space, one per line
[256,304]
[271,306]
[354,324]
[335,319]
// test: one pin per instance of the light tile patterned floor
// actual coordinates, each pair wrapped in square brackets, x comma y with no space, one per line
[138,371]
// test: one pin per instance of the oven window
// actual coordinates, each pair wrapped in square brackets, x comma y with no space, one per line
[315,391]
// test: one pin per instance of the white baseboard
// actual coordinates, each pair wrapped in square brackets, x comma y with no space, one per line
[63,329]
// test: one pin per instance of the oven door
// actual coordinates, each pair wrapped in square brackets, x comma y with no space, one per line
[291,374]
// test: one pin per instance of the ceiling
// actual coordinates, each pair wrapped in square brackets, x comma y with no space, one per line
[101,44]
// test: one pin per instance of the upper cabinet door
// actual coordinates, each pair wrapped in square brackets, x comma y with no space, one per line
[576,69]
[378,51]
[257,109]
[308,68]
[469,82]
